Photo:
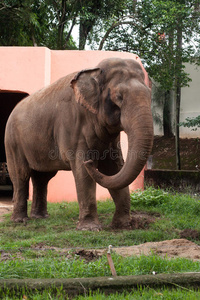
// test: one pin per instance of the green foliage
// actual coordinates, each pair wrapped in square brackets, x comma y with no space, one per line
[22,23]
[50,23]
[191,122]
[149,198]
[177,209]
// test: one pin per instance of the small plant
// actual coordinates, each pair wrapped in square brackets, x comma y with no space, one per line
[150,197]
[191,122]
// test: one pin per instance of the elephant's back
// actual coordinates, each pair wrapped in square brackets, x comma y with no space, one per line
[43,103]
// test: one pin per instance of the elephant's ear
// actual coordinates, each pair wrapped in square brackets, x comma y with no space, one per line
[87,88]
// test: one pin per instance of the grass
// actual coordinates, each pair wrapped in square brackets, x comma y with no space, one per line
[179,211]
[29,251]
[141,293]
[74,267]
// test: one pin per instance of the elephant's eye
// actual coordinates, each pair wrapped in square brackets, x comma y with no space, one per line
[119,97]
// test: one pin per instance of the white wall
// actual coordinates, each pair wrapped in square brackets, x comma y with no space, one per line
[190,104]
[190,100]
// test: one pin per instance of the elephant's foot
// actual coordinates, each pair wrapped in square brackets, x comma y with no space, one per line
[90,226]
[121,222]
[19,218]
[40,215]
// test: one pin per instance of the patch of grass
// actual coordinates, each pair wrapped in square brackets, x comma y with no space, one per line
[73,267]
[140,293]
[179,211]
[145,294]
[150,198]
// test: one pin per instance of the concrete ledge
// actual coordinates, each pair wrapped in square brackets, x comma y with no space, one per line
[179,180]
[109,284]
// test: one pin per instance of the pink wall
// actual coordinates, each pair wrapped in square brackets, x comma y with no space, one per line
[72,61]
[25,69]
[28,69]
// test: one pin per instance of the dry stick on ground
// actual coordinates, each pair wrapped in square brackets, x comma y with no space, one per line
[110,261]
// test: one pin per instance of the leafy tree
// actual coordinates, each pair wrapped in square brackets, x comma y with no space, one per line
[22,22]
[50,23]
[93,17]
[37,23]
[62,20]
[166,35]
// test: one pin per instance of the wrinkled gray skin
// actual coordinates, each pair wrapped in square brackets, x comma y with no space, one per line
[74,124]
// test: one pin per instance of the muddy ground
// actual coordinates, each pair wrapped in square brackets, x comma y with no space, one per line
[6,206]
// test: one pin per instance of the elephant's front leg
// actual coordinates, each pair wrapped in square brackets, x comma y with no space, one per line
[109,166]
[86,192]
[121,218]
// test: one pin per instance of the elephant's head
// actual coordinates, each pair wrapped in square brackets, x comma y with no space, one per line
[115,91]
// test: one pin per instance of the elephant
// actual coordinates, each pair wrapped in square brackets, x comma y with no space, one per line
[75,124]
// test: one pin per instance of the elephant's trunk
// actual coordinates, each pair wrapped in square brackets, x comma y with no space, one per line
[140,141]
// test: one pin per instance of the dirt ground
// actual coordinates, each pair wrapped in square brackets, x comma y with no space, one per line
[6,206]
[170,248]
[140,220]
[164,153]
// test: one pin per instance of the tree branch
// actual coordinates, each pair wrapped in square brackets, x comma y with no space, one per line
[69,33]
[3,7]
[114,25]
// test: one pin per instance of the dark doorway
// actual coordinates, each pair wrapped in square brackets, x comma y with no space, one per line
[8,100]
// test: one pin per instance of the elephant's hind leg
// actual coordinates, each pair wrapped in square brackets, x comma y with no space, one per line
[39,202]
[19,173]
[20,197]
